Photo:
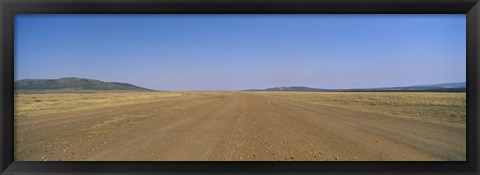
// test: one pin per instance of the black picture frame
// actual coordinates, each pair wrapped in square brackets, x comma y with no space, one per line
[9,8]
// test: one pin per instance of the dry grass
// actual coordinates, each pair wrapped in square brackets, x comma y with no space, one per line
[445,108]
[50,103]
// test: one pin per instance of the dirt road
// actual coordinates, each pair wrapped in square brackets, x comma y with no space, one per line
[233,126]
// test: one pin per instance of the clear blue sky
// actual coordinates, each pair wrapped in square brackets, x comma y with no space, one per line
[234,52]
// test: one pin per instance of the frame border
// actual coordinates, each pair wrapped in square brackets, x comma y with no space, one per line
[8,9]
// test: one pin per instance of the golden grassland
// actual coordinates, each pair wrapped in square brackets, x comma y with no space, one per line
[34,104]
[444,108]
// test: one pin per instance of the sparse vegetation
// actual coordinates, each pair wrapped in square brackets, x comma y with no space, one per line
[445,108]
[34,104]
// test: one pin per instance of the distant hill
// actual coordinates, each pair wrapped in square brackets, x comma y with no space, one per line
[73,84]
[461,86]
[447,87]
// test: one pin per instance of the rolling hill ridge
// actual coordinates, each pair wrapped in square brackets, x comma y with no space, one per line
[73,84]
[446,87]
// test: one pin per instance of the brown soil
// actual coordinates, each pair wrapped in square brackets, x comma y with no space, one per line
[233,126]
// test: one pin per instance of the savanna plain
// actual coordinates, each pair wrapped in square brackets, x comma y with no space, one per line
[290,126]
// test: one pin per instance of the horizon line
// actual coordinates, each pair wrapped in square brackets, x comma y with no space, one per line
[249,89]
